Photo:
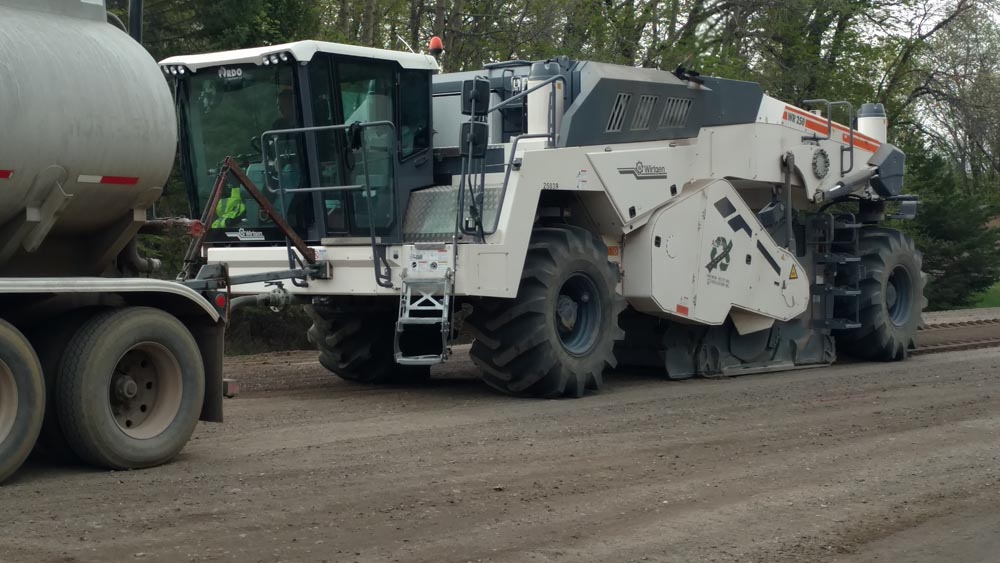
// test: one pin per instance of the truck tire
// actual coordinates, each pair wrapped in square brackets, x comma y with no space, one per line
[130,388]
[357,346]
[50,341]
[558,335]
[22,399]
[892,297]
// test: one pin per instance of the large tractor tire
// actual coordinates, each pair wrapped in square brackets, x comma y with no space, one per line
[357,345]
[892,297]
[558,335]
[22,399]
[130,388]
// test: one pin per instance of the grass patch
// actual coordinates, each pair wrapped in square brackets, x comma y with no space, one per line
[989,298]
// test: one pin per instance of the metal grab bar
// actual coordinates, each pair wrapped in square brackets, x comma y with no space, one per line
[383,272]
[829,129]
[551,136]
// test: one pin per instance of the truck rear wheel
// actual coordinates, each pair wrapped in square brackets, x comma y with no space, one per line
[892,297]
[356,345]
[22,399]
[50,341]
[558,335]
[130,388]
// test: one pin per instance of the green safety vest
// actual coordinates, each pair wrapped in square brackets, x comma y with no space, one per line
[230,209]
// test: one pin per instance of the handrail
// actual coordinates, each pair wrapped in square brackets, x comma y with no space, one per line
[551,136]
[546,82]
[829,129]
[506,176]
[319,129]
[383,273]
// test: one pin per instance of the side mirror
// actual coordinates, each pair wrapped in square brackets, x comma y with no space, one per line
[475,138]
[475,94]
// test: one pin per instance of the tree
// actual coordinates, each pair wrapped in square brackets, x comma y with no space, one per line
[961,251]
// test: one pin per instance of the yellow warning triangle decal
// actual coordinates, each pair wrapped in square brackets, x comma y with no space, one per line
[794,275]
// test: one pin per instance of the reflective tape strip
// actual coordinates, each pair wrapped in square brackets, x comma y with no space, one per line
[113,180]
[6,174]
[819,125]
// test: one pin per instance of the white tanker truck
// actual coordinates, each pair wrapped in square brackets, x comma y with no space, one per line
[100,361]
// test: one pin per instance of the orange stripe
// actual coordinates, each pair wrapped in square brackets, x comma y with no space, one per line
[819,125]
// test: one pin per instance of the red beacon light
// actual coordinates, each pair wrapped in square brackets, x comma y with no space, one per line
[436,46]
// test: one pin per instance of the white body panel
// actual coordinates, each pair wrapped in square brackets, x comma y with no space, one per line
[692,261]
[635,193]
[303,51]
[538,107]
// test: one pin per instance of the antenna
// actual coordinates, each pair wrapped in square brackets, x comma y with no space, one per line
[400,37]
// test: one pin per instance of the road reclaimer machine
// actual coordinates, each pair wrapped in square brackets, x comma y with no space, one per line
[101,361]
[590,215]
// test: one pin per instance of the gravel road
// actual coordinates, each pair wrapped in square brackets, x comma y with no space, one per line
[855,463]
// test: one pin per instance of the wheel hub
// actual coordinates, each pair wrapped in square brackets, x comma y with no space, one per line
[126,388]
[566,309]
[145,392]
[578,314]
[8,401]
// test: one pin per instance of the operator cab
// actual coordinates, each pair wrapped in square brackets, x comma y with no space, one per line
[271,108]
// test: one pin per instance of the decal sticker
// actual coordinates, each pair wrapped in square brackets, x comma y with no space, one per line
[721,254]
[429,261]
[737,223]
[769,258]
[230,73]
[720,257]
[244,235]
[795,273]
[646,171]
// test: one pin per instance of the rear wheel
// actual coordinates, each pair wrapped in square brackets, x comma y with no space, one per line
[892,297]
[50,341]
[130,388]
[22,399]
[557,336]
[356,344]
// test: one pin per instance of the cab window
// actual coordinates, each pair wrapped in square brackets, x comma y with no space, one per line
[414,112]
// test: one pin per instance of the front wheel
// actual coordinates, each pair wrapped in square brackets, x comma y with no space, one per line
[892,297]
[22,399]
[356,343]
[558,335]
[130,388]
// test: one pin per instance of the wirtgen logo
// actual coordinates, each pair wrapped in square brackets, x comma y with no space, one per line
[646,171]
[244,235]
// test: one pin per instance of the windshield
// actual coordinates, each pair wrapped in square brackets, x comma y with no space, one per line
[228,110]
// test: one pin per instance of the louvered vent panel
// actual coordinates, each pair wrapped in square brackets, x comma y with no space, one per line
[618,113]
[642,113]
[675,112]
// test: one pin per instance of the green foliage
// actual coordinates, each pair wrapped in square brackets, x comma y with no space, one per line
[183,26]
[989,298]
[961,252]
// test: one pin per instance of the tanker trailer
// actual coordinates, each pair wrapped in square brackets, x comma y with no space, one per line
[96,358]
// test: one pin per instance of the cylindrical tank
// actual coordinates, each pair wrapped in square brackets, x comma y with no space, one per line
[873,122]
[84,108]
[540,101]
